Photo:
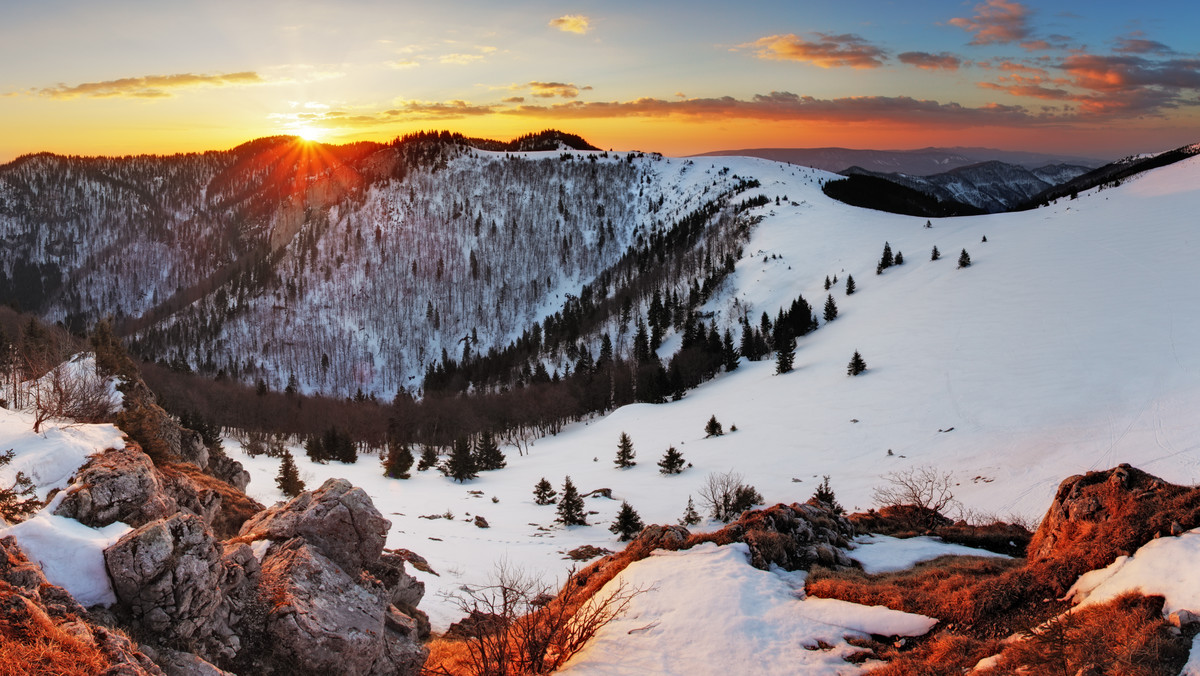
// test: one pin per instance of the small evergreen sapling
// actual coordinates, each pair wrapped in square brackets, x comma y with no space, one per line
[460,466]
[827,283]
[20,499]
[627,524]
[399,461]
[625,452]
[671,462]
[543,492]
[831,309]
[487,453]
[899,258]
[964,259]
[690,516]
[785,353]
[857,365]
[713,428]
[429,458]
[824,496]
[935,254]
[570,506]
[850,288]
[288,480]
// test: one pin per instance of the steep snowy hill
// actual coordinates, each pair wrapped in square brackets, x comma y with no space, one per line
[1069,344]
[992,186]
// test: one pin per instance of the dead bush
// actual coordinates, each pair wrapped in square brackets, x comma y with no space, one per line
[516,625]
[726,496]
[927,490]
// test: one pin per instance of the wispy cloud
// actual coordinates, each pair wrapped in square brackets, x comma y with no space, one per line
[827,51]
[927,61]
[1137,44]
[996,22]
[149,86]
[572,23]
[549,90]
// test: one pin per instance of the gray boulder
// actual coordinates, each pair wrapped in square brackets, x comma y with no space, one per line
[338,519]
[117,485]
[322,621]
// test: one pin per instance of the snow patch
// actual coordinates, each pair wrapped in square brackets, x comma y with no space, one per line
[71,554]
[885,554]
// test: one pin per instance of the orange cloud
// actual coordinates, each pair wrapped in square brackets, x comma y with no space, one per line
[828,51]
[996,22]
[572,23]
[548,90]
[927,61]
[149,86]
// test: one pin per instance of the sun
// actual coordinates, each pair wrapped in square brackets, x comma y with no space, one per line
[310,134]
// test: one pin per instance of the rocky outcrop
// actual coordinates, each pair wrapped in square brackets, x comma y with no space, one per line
[322,621]
[793,537]
[338,519]
[66,637]
[117,485]
[305,589]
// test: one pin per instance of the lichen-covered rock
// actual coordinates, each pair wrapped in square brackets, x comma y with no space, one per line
[338,519]
[228,470]
[322,621]
[117,485]
[793,537]
[654,536]
[165,576]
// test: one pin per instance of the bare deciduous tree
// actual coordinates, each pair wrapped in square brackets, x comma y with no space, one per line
[925,488]
[726,497]
[71,391]
[516,625]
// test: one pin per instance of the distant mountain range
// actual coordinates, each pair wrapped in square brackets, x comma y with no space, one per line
[920,162]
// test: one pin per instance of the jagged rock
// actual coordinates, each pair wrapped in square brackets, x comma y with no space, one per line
[481,522]
[403,589]
[165,576]
[653,537]
[177,663]
[321,621]
[1182,618]
[337,518]
[793,537]
[117,485]
[1085,501]
[229,470]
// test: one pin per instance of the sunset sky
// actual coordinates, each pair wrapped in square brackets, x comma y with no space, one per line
[1101,78]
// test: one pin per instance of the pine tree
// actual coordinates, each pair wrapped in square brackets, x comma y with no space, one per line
[713,428]
[935,254]
[399,461]
[964,259]
[460,466]
[899,258]
[850,288]
[984,238]
[487,453]
[729,355]
[625,452]
[627,524]
[671,462]
[830,309]
[824,495]
[690,516]
[19,500]
[857,365]
[886,261]
[429,458]
[543,493]
[288,480]
[570,506]
[785,354]
[827,283]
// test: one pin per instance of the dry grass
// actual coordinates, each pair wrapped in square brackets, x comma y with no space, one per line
[946,654]
[30,643]
[1126,636]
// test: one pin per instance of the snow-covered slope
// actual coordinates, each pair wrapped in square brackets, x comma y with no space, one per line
[1071,343]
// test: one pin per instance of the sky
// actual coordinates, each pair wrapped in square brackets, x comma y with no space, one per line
[1102,79]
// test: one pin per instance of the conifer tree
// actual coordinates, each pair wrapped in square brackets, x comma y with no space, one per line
[570,506]
[627,524]
[850,288]
[827,283]
[690,516]
[831,310]
[20,500]
[460,466]
[399,461]
[856,365]
[488,455]
[964,259]
[785,354]
[671,462]
[935,254]
[984,238]
[824,495]
[729,355]
[713,428]
[886,261]
[429,458]
[288,480]
[543,492]
[625,452]
[899,258]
